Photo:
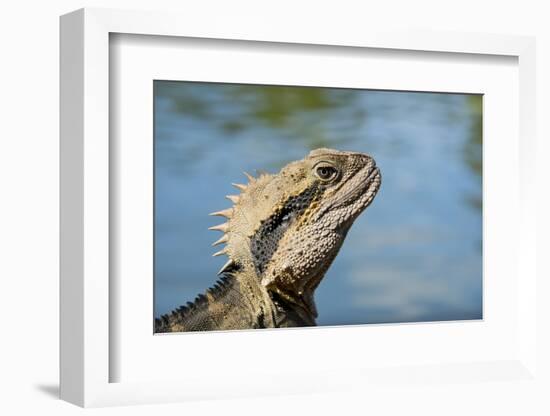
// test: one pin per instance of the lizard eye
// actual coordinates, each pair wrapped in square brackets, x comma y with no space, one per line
[325,172]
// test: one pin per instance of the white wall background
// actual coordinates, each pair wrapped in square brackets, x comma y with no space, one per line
[29,205]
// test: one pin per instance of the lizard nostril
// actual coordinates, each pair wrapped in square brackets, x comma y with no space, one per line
[369,160]
[366,159]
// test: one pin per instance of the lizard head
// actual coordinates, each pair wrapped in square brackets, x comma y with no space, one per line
[288,227]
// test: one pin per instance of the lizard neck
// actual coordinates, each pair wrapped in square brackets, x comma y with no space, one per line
[286,308]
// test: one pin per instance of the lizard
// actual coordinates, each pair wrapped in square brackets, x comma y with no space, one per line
[282,233]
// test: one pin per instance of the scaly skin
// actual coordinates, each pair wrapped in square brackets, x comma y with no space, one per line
[281,236]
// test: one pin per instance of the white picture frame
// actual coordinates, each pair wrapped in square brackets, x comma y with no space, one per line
[86,165]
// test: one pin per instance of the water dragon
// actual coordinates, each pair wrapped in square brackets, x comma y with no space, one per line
[282,234]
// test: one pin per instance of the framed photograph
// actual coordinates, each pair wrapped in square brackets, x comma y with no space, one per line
[381,198]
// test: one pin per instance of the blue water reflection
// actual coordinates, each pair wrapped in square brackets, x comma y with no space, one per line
[414,255]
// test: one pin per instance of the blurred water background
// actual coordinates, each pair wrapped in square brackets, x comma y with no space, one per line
[413,255]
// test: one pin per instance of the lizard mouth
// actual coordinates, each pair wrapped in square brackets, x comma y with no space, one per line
[374,179]
[360,189]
